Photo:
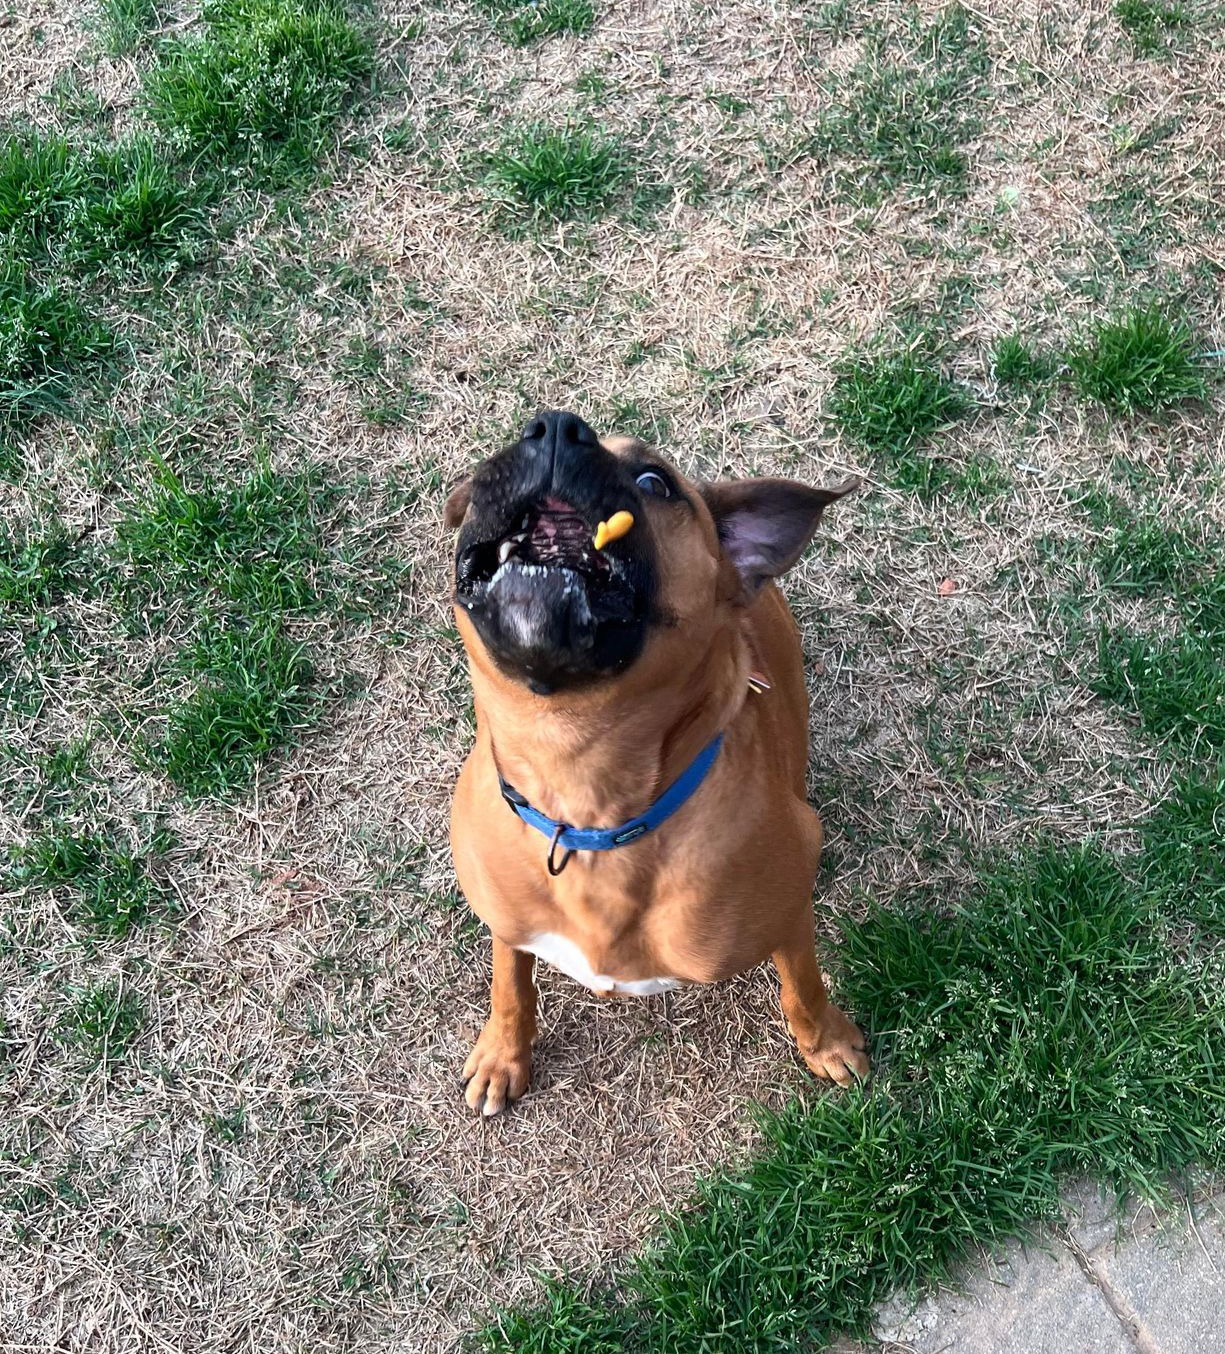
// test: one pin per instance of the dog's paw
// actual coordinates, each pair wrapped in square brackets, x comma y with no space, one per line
[498,1070]
[836,1049]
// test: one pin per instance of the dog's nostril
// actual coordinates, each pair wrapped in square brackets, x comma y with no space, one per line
[557,428]
[571,429]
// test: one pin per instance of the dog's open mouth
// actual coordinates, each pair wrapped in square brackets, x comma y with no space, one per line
[545,604]
[549,549]
[554,533]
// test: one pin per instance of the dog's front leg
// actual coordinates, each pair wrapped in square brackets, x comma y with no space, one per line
[500,1066]
[832,1045]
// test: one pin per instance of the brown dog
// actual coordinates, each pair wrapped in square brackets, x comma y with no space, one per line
[600,675]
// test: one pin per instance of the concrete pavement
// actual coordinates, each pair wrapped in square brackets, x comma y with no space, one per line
[1097,1284]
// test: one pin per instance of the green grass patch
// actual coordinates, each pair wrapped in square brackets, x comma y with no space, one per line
[1174,683]
[104,1021]
[230,1127]
[140,208]
[1017,364]
[908,115]
[106,882]
[51,785]
[252,693]
[66,214]
[888,403]
[41,567]
[235,565]
[44,336]
[1184,840]
[1138,362]
[264,85]
[42,178]
[1047,1031]
[542,172]
[126,24]
[255,543]
[37,570]
[1144,556]
[64,207]
[1151,23]
[521,22]
[891,404]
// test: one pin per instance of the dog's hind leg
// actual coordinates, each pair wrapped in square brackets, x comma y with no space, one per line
[499,1068]
[832,1045]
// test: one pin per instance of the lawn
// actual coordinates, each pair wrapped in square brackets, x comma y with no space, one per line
[273,273]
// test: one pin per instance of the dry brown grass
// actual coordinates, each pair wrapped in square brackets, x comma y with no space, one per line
[321,975]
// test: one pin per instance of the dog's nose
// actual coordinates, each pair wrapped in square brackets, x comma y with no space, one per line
[554,430]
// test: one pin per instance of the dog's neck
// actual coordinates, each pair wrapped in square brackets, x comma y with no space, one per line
[601,756]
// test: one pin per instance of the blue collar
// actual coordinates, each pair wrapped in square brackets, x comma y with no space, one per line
[572,839]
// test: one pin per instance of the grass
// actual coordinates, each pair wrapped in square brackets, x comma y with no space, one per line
[254,542]
[1147,557]
[104,1022]
[243,558]
[263,87]
[908,115]
[1018,365]
[1149,23]
[1184,836]
[252,690]
[42,178]
[1141,361]
[64,207]
[257,94]
[68,214]
[107,884]
[548,173]
[36,570]
[522,22]
[892,403]
[1175,683]
[140,208]
[44,335]
[1046,1031]
[126,24]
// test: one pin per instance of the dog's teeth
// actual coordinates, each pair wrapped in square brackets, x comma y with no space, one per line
[505,551]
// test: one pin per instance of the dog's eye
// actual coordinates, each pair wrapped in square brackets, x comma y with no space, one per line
[653,484]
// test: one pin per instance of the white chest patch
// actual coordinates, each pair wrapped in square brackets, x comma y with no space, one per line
[565,955]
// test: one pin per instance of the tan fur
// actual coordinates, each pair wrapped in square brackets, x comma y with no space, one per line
[724,884]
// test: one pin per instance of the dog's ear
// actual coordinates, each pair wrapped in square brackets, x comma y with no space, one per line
[765,524]
[457,504]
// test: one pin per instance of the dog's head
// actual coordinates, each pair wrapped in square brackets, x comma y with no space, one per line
[553,611]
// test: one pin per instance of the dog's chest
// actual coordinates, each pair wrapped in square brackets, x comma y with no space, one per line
[562,953]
